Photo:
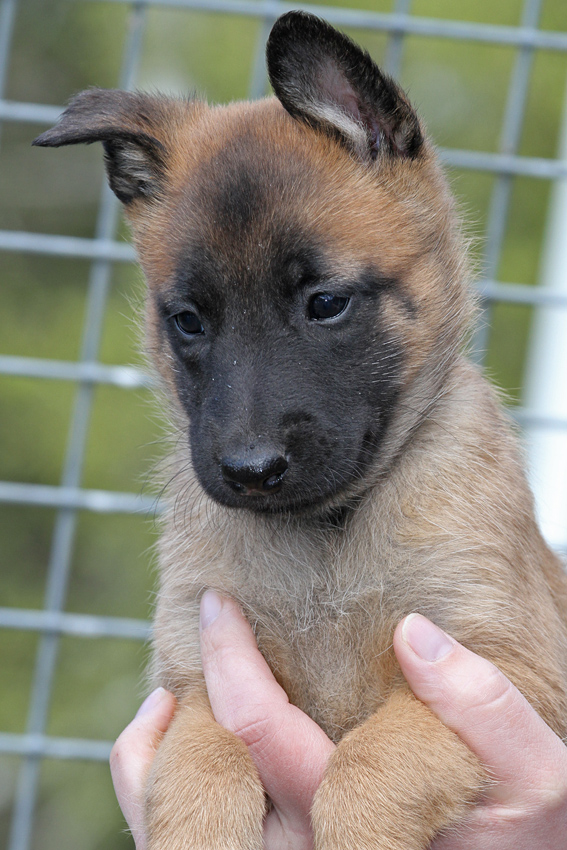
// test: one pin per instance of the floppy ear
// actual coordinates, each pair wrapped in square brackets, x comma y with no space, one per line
[129,125]
[324,79]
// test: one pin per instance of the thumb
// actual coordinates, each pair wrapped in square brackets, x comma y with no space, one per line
[474,699]
[132,755]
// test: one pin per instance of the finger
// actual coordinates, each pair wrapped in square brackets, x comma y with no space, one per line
[132,755]
[290,751]
[474,699]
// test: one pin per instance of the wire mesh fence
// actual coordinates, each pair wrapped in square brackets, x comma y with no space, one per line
[513,168]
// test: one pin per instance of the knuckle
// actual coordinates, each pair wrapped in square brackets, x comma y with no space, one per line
[256,731]
[490,694]
[497,688]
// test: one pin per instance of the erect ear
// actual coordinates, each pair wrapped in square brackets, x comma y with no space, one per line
[324,79]
[131,128]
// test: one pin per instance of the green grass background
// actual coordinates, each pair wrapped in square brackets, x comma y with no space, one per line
[60,47]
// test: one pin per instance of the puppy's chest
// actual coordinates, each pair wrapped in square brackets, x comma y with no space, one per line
[324,610]
[334,662]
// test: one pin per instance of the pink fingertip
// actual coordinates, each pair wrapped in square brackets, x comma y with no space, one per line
[428,641]
[151,702]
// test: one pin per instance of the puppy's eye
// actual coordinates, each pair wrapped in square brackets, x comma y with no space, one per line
[189,323]
[323,306]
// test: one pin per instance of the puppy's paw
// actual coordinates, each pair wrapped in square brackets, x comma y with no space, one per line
[348,810]
[394,782]
[204,793]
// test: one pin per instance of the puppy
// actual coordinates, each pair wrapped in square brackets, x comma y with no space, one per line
[343,463]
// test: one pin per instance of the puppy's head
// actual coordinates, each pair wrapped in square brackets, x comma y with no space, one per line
[304,267]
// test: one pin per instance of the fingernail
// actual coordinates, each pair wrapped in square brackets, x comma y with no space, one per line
[150,702]
[426,639]
[211,605]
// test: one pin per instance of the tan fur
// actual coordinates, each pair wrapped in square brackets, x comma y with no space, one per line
[444,525]
[204,784]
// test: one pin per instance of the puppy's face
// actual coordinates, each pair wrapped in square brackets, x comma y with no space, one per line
[282,361]
[301,262]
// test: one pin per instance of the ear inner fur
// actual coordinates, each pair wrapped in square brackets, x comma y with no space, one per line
[129,125]
[324,79]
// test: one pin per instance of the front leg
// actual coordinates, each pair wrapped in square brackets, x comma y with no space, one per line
[204,792]
[395,781]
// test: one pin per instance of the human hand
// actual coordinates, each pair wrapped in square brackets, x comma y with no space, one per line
[290,751]
[526,807]
[132,755]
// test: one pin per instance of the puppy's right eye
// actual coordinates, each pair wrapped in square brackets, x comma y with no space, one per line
[325,305]
[189,323]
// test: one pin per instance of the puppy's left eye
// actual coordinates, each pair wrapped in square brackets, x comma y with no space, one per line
[189,323]
[324,305]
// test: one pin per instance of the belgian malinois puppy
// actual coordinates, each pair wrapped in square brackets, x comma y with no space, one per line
[344,464]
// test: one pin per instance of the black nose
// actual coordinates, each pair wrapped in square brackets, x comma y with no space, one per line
[254,471]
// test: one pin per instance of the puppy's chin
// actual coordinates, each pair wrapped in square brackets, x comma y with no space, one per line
[277,503]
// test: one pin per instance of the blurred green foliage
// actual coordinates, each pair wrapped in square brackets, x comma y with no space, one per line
[59,47]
